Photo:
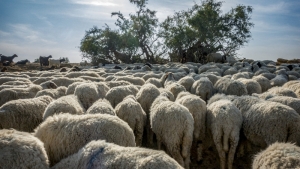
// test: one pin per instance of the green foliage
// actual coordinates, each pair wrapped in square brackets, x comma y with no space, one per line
[205,28]
[192,33]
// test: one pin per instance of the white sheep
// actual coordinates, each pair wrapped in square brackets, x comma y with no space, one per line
[278,155]
[65,81]
[289,101]
[84,73]
[66,104]
[203,88]
[197,107]
[277,91]
[230,71]
[280,79]
[230,87]
[21,150]
[252,86]
[88,93]
[132,112]
[101,106]
[55,62]
[132,80]
[145,96]
[155,82]
[23,114]
[216,57]
[152,75]
[266,122]
[72,87]
[240,75]
[18,93]
[108,155]
[7,79]
[112,84]
[187,82]
[65,134]
[224,121]
[54,93]
[116,94]
[42,80]
[173,125]
[264,82]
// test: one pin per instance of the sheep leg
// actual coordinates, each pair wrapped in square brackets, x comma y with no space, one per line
[158,142]
[139,129]
[199,151]
[176,155]
[221,152]
[234,140]
[150,136]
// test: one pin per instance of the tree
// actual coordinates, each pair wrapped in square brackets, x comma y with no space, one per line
[142,25]
[204,29]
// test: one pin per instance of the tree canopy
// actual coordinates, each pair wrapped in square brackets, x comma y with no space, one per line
[191,33]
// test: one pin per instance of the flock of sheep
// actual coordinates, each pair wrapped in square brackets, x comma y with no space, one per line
[158,116]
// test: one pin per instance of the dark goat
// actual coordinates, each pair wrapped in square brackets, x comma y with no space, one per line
[22,62]
[44,61]
[4,69]
[148,64]
[117,67]
[291,67]
[7,58]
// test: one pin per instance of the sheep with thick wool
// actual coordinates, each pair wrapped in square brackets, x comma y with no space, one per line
[173,125]
[72,87]
[101,106]
[267,122]
[252,86]
[230,87]
[7,79]
[277,91]
[116,94]
[224,121]
[203,88]
[197,107]
[145,96]
[278,155]
[289,101]
[54,93]
[83,73]
[65,134]
[21,150]
[187,82]
[18,93]
[132,112]
[23,114]
[280,79]
[88,93]
[263,82]
[65,81]
[132,80]
[112,84]
[66,104]
[101,154]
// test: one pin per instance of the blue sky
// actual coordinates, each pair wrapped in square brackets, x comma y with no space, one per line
[33,28]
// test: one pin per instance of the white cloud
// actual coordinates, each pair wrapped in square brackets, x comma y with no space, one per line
[3,33]
[28,34]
